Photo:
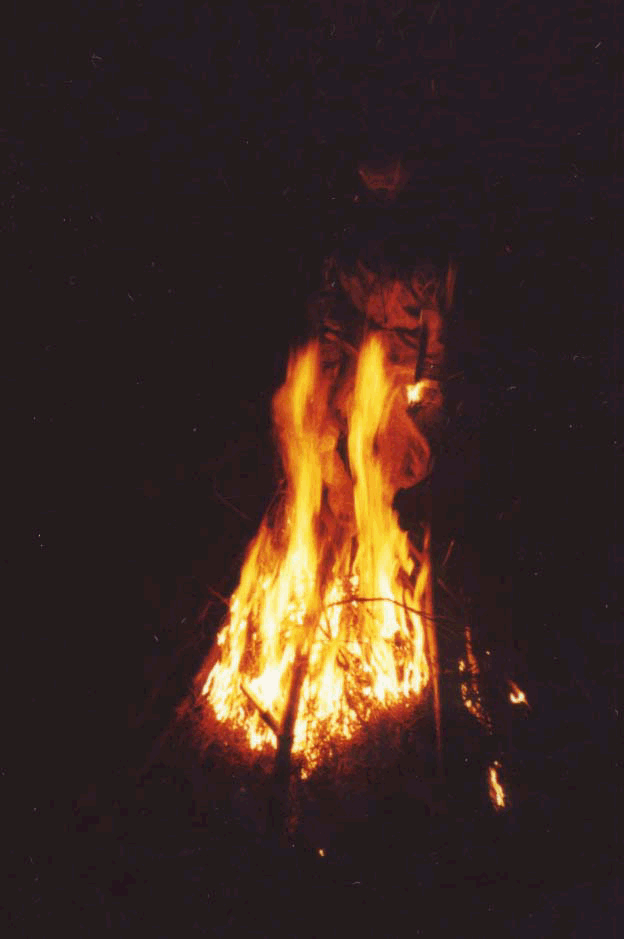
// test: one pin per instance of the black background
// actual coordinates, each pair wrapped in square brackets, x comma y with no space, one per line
[173,176]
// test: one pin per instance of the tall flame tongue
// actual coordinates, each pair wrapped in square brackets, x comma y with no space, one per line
[323,625]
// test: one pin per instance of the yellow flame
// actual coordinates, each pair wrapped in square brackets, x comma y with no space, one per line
[424,390]
[329,581]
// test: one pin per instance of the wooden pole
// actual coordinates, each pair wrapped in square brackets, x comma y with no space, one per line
[430,632]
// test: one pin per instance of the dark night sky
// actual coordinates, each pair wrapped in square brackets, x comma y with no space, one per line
[173,176]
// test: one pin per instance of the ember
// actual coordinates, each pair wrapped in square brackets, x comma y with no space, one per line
[516,695]
[470,692]
[497,793]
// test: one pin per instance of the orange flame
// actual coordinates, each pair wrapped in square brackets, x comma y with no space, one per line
[330,584]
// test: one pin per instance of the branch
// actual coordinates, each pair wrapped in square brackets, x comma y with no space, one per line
[410,609]
[266,716]
[219,596]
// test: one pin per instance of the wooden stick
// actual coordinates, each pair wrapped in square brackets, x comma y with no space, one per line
[266,716]
[283,759]
[448,552]
[279,808]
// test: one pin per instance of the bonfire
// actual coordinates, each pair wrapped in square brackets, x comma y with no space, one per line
[332,621]
[332,628]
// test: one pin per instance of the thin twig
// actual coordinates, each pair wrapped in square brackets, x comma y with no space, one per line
[219,596]
[227,502]
[450,593]
[448,552]
[410,609]
[435,9]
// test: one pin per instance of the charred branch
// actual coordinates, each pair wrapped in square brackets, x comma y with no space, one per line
[266,716]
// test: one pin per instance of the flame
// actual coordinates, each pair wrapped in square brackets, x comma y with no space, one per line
[497,793]
[516,695]
[424,390]
[325,624]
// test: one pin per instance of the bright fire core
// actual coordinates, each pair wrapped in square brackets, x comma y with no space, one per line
[331,587]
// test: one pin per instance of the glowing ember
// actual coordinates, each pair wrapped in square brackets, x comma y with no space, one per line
[471,695]
[497,793]
[326,622]
[516,695]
